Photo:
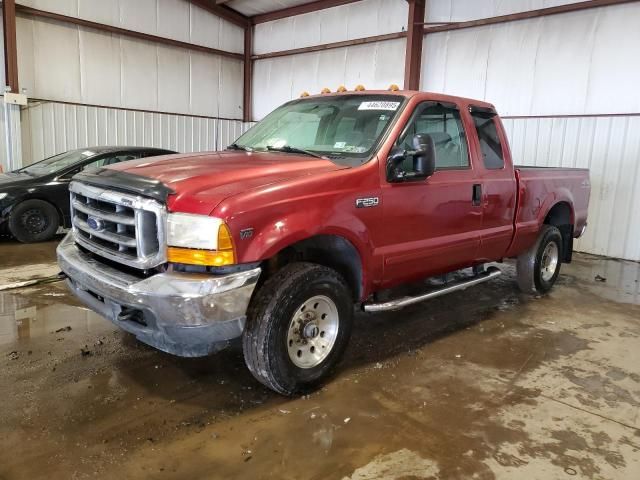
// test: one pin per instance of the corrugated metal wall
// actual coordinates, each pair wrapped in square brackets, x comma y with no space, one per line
[49,128]
[463,10]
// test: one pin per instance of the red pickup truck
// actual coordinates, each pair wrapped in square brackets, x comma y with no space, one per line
[324,204]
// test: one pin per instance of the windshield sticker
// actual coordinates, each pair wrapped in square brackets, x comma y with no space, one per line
[339,144]
[354,149]
[393,106]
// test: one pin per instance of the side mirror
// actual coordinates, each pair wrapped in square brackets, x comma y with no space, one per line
[424,160]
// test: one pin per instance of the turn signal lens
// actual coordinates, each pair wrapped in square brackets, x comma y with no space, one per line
[208,258]
[225,242]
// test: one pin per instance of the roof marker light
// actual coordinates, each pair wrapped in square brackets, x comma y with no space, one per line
[393,87]
[360,88]
[304,94]
[325,90]
[341,89]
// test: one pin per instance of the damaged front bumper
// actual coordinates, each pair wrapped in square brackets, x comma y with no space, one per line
[186,314]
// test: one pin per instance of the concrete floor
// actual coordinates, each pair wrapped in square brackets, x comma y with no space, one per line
[486,383]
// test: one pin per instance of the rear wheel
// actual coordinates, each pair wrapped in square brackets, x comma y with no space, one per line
[298,326]
[34,221]
[538,268]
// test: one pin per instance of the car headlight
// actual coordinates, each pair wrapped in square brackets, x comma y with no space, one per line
[3,195]
[199,240]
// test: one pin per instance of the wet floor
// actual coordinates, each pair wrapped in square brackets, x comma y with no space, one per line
[485,383]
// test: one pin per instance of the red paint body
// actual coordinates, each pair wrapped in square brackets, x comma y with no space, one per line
[419,228]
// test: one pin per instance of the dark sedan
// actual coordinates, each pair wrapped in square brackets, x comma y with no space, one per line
[34,201]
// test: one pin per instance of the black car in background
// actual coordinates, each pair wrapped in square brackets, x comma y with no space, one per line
[34,200]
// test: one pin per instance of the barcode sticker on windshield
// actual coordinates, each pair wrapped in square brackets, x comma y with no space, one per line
[393,106]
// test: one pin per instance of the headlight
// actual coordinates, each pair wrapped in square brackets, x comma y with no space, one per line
[2,195]
[198,240]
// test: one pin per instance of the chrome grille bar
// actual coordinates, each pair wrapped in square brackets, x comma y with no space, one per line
[122,227]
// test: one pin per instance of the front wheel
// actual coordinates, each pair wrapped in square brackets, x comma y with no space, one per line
[34,221]
[298,326]
[538,268]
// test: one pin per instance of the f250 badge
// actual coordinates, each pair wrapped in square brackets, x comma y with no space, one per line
[367,202]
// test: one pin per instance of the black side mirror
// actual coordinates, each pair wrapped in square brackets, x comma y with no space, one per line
[424,160]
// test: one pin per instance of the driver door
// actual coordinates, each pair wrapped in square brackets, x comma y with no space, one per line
[432,225]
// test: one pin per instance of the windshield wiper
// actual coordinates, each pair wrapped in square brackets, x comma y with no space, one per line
[235,146]
[288,149]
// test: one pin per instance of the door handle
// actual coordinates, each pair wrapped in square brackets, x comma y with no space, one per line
[476,196]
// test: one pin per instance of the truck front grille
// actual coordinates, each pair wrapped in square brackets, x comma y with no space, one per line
[124,228]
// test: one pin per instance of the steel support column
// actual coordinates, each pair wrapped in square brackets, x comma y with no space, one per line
[10,48]
[247,114]
[413,53]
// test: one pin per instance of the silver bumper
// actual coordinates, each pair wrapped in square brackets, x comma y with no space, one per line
[185,314]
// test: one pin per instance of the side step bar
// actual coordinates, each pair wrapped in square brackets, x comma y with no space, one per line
[491,272]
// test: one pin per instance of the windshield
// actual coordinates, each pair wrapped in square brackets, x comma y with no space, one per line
[58,162]
[344,128]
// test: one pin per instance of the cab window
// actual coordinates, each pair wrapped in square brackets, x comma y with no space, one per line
[490,145]
[443,123]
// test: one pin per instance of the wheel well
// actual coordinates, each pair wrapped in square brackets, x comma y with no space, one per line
[560,216]
[331,251]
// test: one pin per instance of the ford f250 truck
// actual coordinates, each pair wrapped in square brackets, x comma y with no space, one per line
[323,205]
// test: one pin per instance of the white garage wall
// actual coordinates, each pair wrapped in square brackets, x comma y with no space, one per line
[175,19]
[375,65]
[569,69]
[49,128]
[346,22]
[277,80]
[574,63]
[61,61]
[464,10]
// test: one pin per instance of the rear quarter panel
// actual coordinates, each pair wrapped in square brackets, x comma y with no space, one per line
[539,189]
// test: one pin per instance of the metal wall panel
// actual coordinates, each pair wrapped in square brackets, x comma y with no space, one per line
[50,128]
[64,62]
[277,80]
[610,148]
[176,19]
[15,142]
[346,22]
[464,10]
[568,64]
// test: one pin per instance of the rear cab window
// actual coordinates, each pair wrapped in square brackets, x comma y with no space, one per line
[490,145]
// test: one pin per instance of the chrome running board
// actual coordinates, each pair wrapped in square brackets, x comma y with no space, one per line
[491,272]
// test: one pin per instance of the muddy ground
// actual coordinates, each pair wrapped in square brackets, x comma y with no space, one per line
[485,383]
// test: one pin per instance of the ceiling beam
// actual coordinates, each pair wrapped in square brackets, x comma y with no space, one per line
[542,12]
[222,11]
[331,46]
[299,10]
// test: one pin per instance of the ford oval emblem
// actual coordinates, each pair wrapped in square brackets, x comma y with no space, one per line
[95,224]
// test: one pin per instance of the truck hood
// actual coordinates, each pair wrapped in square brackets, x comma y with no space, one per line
[201,181]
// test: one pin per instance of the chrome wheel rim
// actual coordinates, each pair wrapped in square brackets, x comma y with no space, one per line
[313,330]
[549,261]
